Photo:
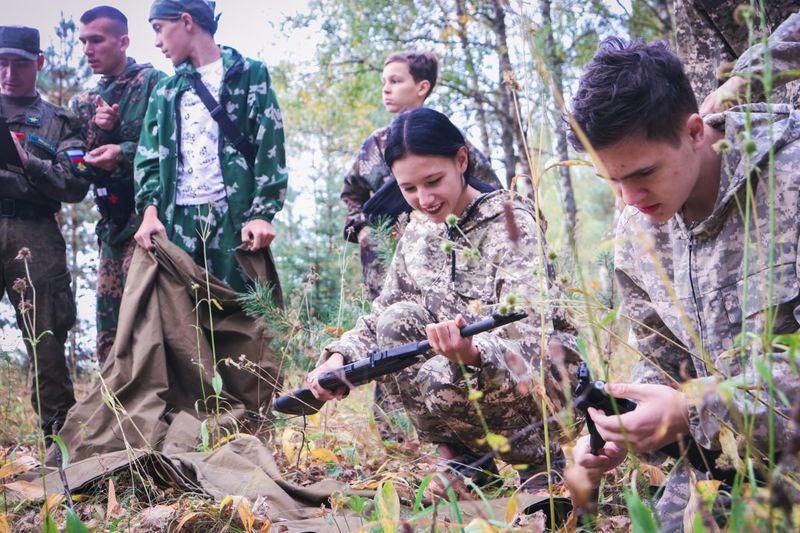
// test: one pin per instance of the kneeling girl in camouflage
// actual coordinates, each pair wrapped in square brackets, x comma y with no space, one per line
[463,255]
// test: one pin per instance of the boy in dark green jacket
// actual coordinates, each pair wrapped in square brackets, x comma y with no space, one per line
[193,186]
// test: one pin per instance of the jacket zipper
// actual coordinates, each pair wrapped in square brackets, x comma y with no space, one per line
[694,294]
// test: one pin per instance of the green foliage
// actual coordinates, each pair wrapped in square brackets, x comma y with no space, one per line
[74,524]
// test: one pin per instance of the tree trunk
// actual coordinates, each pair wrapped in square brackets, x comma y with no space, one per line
[562,151]
[461,28]
[506,107]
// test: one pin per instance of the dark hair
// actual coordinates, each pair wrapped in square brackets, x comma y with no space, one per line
[423,131]
[107,12]
[631,89]
[421,66]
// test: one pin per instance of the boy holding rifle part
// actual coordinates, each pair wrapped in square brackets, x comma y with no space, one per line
[706,258]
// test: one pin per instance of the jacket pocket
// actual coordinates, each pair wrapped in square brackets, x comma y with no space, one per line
[748,300]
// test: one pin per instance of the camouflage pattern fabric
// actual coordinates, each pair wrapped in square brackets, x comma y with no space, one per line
[368,173]
[131,91]
[708,37]
[112,273]
[54,173]
[252,193]
[208,234]
[721,275]
[421,288]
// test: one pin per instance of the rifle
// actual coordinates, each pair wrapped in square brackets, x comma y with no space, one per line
[590,393]
[378,363]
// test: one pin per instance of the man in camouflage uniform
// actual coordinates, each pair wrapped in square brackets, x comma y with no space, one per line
[713,41]
[50,148]
[408,79]
[426,284]
[193,185]
[703,277]
[112,115]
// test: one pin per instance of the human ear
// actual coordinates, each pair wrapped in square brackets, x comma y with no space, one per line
[124,42]
[423,87]
[187,20]
[40,62]
[462,159]
[696,128]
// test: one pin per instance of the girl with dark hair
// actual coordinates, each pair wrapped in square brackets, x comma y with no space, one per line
[463,255]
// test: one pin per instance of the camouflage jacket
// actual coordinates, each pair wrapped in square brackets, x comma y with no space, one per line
[708,37]
[250,101]
[131,91]
[55,171]
[370,171]
[687,318]
[422,272]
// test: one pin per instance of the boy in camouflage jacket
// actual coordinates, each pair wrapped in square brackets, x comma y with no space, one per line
[112,115]
[250,196]
[706,280]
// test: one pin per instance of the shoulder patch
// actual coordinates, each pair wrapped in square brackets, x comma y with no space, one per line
[33,120]
[48,146]
[77,161]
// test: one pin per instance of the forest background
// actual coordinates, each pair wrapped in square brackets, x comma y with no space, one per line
[506,68]
[503,68]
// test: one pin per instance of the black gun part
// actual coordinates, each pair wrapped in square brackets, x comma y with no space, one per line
[590,393]
[380,363]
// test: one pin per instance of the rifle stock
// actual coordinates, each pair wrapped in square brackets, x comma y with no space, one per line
[380,363]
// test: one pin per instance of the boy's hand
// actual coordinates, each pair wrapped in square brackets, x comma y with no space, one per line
[336,360]
[611,456]
[660,417]
[445,338]
[105,116]
[258,234]
[150,226]
[104,157]
[727,95]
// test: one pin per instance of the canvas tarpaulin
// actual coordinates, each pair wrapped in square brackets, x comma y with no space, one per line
[157,381]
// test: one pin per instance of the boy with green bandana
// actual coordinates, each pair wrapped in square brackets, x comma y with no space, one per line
[193,186]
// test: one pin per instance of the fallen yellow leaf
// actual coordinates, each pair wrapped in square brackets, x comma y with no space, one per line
[245,514]
[4,527]
[51,503]
[266,527]
[186,518]
[324,455]
[511,508]
[291,441]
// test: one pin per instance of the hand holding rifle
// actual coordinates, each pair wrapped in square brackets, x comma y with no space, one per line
[332,380]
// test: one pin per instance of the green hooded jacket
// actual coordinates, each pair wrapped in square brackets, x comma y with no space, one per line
[247,96]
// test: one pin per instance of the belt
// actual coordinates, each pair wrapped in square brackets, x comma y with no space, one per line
[11,208]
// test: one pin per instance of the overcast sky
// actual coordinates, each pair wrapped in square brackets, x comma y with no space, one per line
[250,26]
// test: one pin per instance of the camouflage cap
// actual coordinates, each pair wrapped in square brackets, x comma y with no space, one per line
[21,41]
[202,11]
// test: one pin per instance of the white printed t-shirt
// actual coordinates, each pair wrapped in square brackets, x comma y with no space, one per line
[199,170]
